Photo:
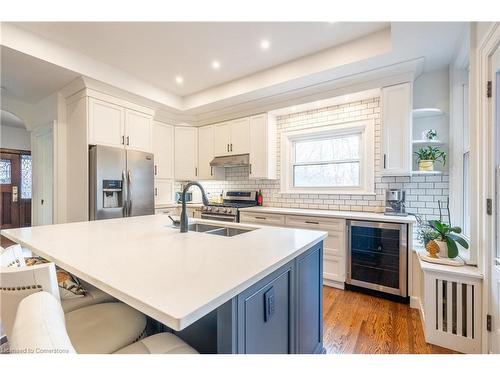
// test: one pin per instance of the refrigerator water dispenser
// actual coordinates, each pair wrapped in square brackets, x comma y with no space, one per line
[112,193]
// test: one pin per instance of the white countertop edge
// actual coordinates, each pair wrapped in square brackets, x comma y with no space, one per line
[357,215]
[177,323]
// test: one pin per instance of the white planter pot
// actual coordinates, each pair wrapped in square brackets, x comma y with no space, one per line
[443,248]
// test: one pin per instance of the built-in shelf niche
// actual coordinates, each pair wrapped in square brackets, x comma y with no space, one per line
[425,119]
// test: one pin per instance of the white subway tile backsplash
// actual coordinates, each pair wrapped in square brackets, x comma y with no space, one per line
[423,192]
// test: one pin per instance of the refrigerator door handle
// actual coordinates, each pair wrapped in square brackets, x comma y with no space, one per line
[125,194]
[129,179]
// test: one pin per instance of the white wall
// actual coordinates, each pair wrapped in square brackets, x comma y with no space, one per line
[14,138]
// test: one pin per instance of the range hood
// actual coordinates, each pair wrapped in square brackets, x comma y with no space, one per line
[231,161]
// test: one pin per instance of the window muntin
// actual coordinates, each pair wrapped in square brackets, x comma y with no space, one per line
[26,179]
[5,172]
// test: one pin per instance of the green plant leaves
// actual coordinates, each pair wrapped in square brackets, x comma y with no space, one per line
[438,226]
[448,234]
[459,239]
[431,153]
[452,248]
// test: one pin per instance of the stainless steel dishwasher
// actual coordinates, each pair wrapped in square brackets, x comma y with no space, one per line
[378,256]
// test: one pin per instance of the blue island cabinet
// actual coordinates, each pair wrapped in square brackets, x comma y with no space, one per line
[280,314]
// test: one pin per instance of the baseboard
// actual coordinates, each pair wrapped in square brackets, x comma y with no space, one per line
[334,284]
[415,302]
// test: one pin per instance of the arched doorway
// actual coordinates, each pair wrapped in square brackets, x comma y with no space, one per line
[15,172]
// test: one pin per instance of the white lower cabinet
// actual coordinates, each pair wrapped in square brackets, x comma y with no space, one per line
[263,219]
[165,211]
[334,246]
[333,270]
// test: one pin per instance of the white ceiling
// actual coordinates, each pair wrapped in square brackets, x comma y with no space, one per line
[29,79]
[143,59]
[157,52]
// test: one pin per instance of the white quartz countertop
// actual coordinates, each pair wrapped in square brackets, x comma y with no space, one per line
[174,277]
[354,215]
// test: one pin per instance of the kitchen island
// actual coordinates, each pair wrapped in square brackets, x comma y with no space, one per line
[259,291]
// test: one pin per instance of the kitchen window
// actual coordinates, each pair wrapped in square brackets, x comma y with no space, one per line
[335,159]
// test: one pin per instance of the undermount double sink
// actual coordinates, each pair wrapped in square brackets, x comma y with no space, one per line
[217,230]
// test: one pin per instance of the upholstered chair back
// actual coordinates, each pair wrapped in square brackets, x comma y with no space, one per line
[12,257]
[40,327]
[18,282]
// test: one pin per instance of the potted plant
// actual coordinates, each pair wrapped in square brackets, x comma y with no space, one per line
[427,156]
[430,135]
[447,238]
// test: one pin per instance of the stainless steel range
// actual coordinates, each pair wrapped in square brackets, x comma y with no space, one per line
[229,209]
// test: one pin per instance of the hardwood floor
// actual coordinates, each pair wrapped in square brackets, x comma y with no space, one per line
[356,323]
[5,242]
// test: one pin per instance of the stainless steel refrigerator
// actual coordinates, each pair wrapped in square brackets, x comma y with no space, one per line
[121,183]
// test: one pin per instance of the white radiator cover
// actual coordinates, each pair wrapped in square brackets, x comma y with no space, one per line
[451,308]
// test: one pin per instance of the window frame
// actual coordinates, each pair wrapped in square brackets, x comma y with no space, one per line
[365,129]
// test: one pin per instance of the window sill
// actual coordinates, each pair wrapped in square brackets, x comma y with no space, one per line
[328,191]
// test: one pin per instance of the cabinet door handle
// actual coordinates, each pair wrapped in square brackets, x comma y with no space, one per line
[123,139]
[211,171]
[312,222]
[385,161]
[260,217]
[231,147]
[195,171]
[156,192]
[250,166]
[156,169]
[228,147]
[128,139]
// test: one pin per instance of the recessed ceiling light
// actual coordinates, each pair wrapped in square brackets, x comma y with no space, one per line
[179,79]
[265,44]
[215,64]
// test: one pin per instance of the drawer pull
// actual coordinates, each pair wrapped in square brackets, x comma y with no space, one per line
[312,222]
[260,217]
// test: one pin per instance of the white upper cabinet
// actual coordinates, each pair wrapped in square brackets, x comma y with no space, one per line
[222,138]
[186,153]
[396,130]
[240,136]
[163,149]
[114,125]
[262,147]
[232,137]
[206,153]
[106,123]
[138,129]
[164,192]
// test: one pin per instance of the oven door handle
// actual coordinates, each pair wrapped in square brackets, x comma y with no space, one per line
[217,217]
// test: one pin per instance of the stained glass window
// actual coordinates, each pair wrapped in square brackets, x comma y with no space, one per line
[25,176]
[5,171]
